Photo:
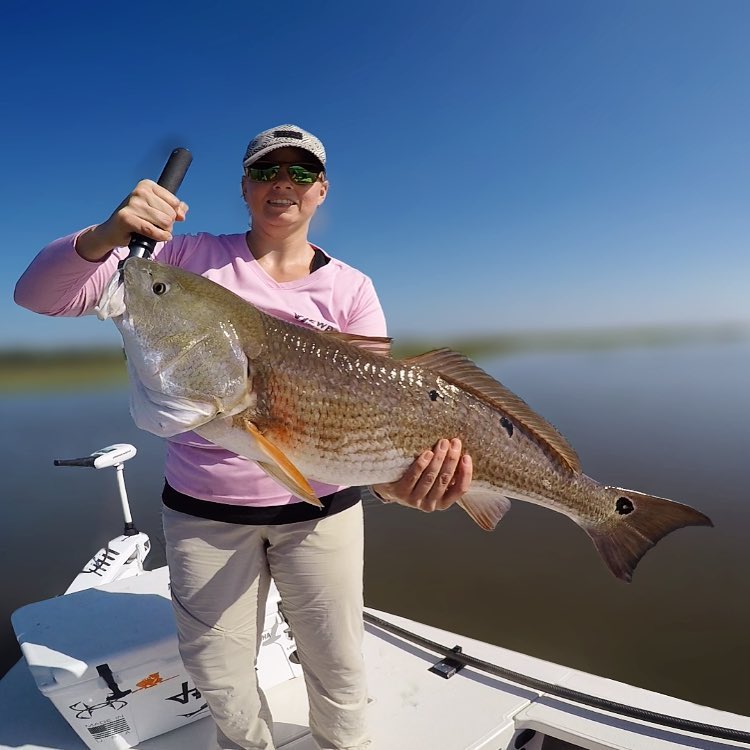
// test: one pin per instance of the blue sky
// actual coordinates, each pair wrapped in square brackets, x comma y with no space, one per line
[494,166]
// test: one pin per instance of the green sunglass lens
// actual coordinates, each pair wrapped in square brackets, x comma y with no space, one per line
[263,174]
[302,175]
[298,173]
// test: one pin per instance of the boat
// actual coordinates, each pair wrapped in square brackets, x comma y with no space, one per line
[100,669]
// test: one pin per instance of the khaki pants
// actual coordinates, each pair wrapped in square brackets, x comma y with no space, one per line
[220,574]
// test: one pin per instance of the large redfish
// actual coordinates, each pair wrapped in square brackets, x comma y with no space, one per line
[337,409]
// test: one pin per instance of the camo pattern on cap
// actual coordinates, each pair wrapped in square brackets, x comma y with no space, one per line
[279,137]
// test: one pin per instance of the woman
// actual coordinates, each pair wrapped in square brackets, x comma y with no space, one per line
[228,526]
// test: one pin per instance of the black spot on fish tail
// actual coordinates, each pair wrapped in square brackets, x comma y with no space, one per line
[508,425]
[624,505]
[434,395]
[639,523]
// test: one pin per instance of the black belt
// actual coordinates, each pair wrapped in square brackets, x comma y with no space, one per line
[260,516]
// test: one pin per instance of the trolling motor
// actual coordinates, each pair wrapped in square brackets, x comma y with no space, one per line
[123,556]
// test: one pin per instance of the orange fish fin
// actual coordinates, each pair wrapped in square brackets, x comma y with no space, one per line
[644,520]
[281,468]
[459,370]
[484,508]
[375,344]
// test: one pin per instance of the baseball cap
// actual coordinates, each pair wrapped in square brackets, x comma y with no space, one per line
[279,137]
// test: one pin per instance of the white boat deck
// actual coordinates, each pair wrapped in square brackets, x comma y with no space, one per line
[414,709]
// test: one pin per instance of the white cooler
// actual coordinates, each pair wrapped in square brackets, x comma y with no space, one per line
[107,658]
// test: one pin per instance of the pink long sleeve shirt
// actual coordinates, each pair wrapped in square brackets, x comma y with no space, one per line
[334,297]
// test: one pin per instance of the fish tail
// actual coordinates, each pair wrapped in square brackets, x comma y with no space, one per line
[638,523]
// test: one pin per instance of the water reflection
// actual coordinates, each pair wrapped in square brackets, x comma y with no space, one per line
[669,422]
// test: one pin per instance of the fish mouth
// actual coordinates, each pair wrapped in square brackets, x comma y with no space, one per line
[112,302]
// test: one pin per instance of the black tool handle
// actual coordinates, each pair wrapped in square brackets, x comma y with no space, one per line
[171,178]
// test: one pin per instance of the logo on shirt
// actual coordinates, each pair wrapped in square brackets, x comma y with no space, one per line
[313,323]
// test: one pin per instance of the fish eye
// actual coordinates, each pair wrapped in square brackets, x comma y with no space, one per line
[159,288]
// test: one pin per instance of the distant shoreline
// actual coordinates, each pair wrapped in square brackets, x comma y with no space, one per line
[55,370]
[27,370]
[580,339]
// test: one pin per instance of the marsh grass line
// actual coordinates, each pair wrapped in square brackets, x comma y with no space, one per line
[56,370]
[580,339]
[28,370]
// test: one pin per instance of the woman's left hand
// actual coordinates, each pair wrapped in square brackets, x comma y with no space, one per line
[436,479]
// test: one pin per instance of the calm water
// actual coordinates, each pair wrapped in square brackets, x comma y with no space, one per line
[672,422]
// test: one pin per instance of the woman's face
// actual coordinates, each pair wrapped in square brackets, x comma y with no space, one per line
[282,203]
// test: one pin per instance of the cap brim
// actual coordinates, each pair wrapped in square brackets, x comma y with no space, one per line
[275,147]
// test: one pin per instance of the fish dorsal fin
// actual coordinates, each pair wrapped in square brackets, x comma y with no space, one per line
[375,344]
[459,370]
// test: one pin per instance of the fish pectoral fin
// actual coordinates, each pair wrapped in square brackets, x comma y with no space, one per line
[300,487]
[484,508]
[278,466]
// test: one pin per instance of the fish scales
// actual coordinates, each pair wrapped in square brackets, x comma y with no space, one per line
[350,416]
[332,428]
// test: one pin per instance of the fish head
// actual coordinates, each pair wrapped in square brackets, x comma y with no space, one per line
[183,344]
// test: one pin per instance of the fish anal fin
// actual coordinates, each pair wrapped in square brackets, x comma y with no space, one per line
[622,541]
[459,370]
[278,466]
[484,508]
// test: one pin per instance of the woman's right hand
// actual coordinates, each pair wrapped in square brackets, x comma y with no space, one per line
[150,210]
[434,481]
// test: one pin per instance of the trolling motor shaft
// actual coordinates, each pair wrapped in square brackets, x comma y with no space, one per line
[113,456]
[123,556]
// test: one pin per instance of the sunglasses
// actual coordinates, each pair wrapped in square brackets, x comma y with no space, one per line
[300,174]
